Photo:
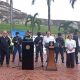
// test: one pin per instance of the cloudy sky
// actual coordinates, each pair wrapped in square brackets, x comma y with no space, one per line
[60,9]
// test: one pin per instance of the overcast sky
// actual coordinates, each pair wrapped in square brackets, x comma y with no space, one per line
[60,9]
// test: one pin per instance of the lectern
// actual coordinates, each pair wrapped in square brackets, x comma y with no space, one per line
[51,65]
[28,55]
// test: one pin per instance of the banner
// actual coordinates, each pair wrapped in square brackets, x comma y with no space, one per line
[21,33]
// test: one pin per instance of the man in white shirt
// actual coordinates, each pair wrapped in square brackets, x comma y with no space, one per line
[46,41]
[70,45]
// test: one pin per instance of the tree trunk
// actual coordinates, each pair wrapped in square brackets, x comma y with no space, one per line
[11,15]
[49,15]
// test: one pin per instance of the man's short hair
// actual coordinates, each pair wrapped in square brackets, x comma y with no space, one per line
[4,31]
[39,33]
[59,34]
[17,33]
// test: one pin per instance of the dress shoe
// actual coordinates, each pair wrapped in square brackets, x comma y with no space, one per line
[42,65]
[72,66]
[68,66]
[77,63]
[36,60]
[12,60]
[46,60]
[1,65]
[20,60]
[7,65]
[62,61]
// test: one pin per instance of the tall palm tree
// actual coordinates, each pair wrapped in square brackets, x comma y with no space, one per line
[67,27]
[49,3]
[33,21]
[49,9]
[72,2]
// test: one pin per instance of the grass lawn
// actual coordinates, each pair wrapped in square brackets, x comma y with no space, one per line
[54,29]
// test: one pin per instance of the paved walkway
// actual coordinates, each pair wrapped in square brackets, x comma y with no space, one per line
[39,73]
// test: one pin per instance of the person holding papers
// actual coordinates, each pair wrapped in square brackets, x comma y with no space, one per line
[70,45]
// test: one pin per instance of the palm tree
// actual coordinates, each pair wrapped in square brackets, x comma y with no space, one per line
[67,27]
[48,3]
[72,2]
[11,14]
[33,21]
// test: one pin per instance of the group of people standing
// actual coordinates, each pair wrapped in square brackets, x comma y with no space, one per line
[5,47]
[69,46]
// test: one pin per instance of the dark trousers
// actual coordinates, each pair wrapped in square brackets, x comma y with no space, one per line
[39,50]
[76,54]
[3,54]
[0,56]
[70,60]
[11,49]
[15,49]
[61,51]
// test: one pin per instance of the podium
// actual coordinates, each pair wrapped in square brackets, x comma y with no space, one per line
[27,55]
[51,65]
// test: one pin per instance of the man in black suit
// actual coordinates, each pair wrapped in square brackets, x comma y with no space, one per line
[75,37]
[60,47]
[4,48]
[39,47]
[17,46]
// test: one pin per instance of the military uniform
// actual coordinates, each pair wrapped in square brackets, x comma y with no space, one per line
[17,47]
[75,37]
[27,38]
[39,47]
[59,48]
